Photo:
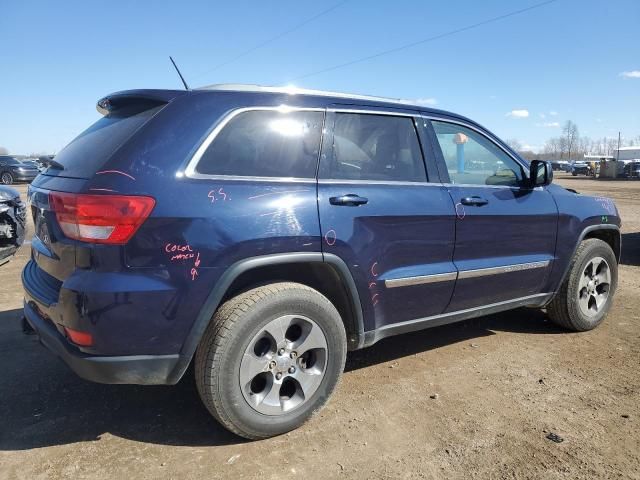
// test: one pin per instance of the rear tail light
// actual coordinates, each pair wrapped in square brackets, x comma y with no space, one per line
[83,339]
[111,219]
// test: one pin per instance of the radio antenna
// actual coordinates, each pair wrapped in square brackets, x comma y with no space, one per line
[186,87]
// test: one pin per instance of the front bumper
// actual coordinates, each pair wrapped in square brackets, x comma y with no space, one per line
[134,369]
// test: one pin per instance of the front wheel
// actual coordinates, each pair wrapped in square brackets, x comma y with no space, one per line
[586,294]
[6,178]
[270,358]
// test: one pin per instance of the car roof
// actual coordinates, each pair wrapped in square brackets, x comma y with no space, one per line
[337,97]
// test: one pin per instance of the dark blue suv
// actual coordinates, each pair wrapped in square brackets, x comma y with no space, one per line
[261,233]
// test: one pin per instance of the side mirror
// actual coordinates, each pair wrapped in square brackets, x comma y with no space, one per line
[540,173]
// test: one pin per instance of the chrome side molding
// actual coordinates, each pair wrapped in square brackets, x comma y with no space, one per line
[449,276]
[419,280]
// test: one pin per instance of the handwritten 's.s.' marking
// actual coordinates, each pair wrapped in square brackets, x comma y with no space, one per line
[218,195]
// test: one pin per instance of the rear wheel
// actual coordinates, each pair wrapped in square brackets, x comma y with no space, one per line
[6,178]
[586,295]
[270,358]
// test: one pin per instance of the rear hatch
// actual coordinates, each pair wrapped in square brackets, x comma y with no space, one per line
[58,247]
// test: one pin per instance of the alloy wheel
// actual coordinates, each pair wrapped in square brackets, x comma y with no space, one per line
[594,286]
[283,365]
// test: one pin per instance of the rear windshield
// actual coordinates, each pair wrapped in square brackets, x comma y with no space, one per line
[90,150]
[266,144]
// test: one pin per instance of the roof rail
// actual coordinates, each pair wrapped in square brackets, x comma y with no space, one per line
[292,90]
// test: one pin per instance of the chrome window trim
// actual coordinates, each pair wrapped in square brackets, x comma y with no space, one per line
[334,181]
[484,134]
[420,280]
[517,267]
[190,169]
[366,111]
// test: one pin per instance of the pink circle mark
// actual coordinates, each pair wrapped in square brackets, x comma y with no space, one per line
[460,213]
[330,239]
[373,269]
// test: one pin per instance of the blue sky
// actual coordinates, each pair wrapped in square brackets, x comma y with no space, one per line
[562,61]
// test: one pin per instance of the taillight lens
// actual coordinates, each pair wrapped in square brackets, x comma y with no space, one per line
[82,339]
[111,219]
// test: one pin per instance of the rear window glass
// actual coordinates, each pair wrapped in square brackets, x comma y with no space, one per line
[375,147]
[265,143]
[89,151]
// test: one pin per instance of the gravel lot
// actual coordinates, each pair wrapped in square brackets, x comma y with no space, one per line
[470,400]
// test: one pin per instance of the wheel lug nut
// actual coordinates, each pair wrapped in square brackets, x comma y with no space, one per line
[272,364]
[293,355]
[292,369]
[281,351]
[278,376]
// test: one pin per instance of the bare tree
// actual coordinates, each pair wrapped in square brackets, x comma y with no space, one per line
[570,132]
[515,144]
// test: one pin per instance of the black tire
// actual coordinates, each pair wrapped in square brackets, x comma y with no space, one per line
[232,328]
[574,174]
[6,178]
[564,309]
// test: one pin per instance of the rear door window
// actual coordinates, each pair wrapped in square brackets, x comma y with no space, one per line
[90,150]
[375,147]
[266,143]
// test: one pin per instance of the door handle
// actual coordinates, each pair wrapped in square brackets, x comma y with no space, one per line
[349,200]
[474,201]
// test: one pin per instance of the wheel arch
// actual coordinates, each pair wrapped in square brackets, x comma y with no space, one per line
[607,233]
[326,273]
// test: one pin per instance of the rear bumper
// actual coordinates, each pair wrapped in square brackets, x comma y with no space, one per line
[135,369]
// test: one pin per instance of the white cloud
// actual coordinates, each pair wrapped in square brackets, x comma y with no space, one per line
[530,148]
[553,113]
[631,74]
[518,113]
[542,116]
[548,124]
[420,101]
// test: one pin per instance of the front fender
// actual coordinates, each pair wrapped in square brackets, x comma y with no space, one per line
[579,217]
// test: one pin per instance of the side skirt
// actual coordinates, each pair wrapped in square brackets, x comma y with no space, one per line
[374,336]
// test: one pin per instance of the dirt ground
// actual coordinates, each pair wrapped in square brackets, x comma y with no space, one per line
[469,400]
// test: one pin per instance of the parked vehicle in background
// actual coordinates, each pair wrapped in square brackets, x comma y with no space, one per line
[632,169]
[260,233]
[13,170]
[13,215]
[559,165]
[579,168]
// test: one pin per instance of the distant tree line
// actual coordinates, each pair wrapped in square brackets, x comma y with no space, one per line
[571,146]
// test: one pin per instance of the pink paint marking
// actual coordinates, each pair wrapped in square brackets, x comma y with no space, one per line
[194,274]
[173,247]
[330,239]
[277,193]
[460,213]
[372,285]
[221,192]
[197,262]
[119,172]
[374,299]
[373,269]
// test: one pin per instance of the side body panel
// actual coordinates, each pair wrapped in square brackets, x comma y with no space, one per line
[403,233]
[505,245]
